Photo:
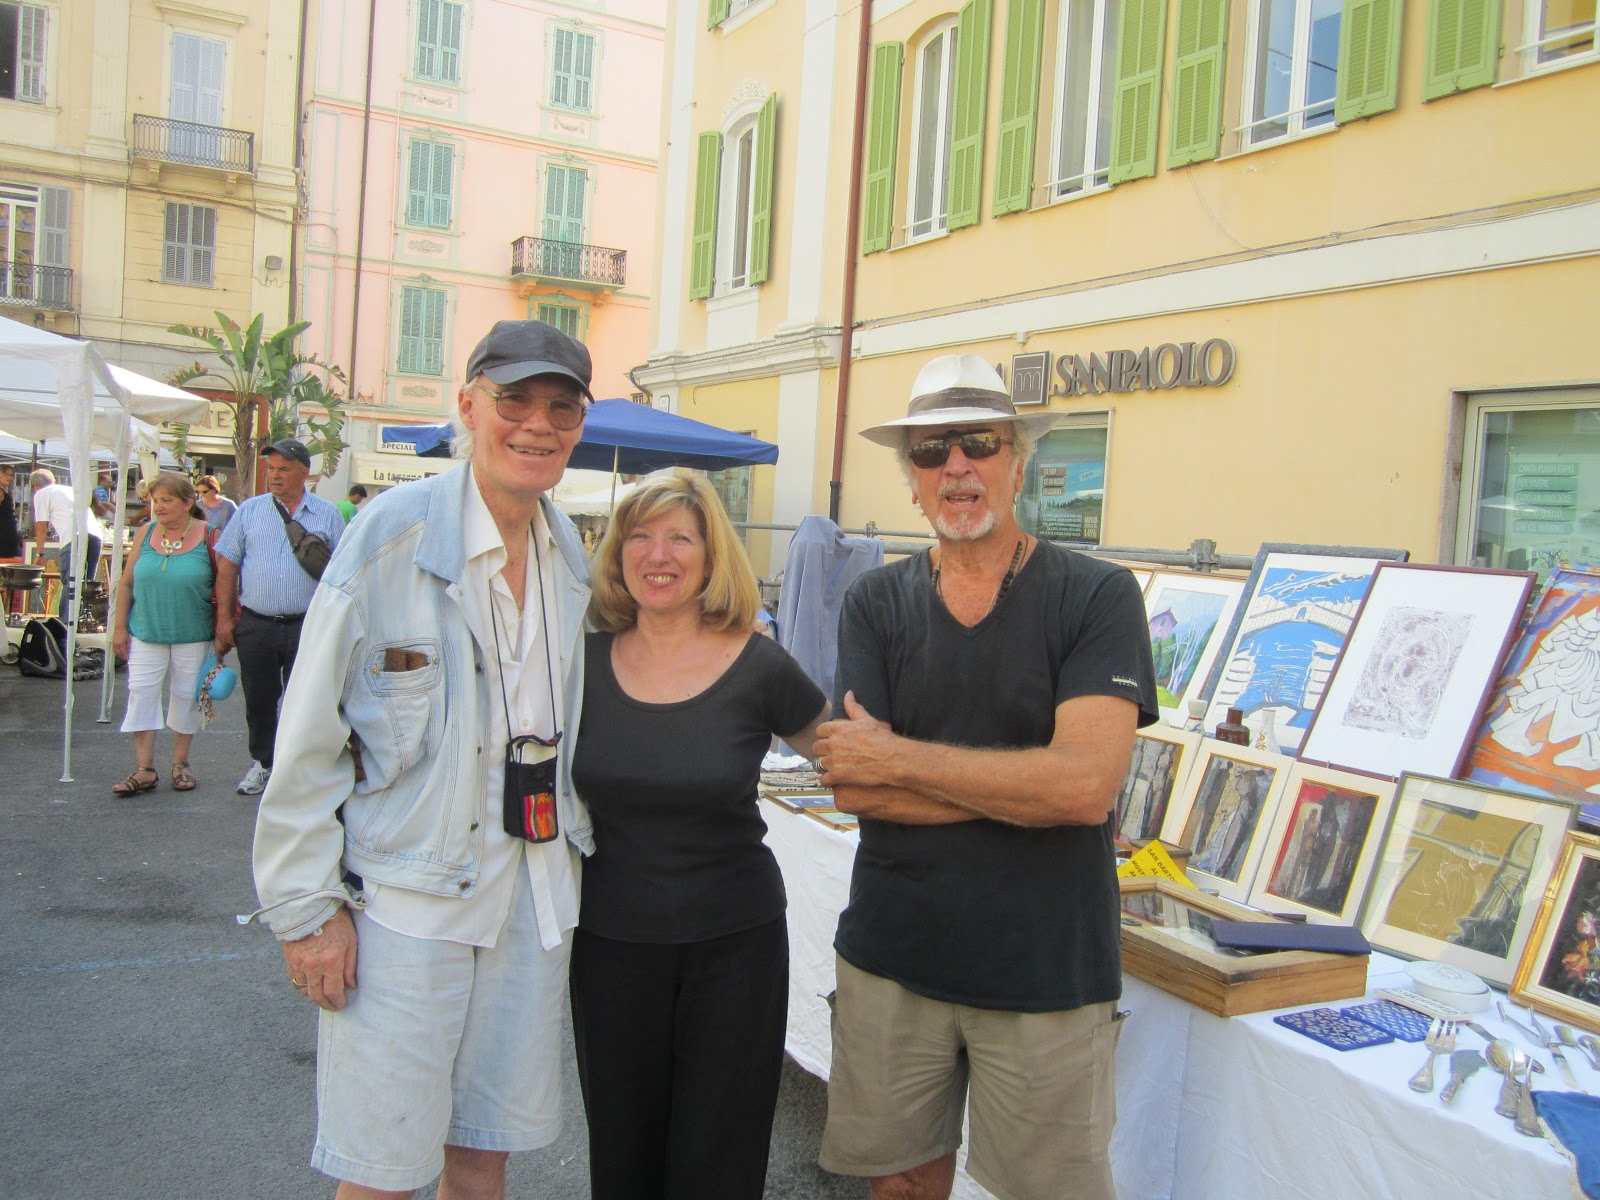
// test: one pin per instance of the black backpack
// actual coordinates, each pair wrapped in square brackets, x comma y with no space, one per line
[43,652]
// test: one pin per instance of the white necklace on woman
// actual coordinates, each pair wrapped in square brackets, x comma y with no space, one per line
[169,546]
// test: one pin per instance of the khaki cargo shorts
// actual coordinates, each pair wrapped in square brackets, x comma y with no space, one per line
[1039,1088]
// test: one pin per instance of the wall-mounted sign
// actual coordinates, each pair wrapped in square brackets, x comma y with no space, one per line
[1038,375]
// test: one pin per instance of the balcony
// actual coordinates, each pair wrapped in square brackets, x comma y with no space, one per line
[27,285]
[542,260]
[161,139]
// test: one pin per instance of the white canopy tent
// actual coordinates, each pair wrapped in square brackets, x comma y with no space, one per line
[53,386]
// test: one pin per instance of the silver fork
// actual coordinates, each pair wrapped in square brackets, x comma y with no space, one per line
[1441,1039]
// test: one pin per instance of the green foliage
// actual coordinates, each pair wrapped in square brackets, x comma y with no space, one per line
[269,379]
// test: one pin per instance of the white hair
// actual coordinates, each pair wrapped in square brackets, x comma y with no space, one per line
[41,478]
[1023,443]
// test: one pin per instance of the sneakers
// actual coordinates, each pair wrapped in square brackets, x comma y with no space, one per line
[255,780]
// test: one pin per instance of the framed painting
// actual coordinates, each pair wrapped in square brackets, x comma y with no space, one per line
[1461,873]
[1560,971]
[1161,759]
[1323,844]
[1188,614]
[1541,729]
[1222,813]
[1410,684]
[1299,603]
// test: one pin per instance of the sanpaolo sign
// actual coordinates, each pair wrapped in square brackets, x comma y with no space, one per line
[1038,375]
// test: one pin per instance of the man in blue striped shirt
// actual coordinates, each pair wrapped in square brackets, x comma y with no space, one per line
[263,592]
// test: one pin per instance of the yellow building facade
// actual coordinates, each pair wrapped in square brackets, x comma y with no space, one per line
[147,170]
[1309,271]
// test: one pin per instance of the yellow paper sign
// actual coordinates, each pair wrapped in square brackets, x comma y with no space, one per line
[1153,860]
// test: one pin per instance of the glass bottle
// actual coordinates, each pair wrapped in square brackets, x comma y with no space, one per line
[1233,730]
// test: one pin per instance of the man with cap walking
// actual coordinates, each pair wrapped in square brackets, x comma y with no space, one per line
[417,848]
[989,692]
[263,592]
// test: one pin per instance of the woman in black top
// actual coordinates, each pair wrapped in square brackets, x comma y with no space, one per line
[681,959]
[10,538]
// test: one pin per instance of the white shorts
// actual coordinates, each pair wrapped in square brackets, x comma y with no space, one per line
[149,665]
[441,1044]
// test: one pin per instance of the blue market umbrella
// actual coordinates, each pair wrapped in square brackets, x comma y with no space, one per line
[634,439]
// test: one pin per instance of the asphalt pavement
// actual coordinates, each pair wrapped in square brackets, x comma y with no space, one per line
[149,1045]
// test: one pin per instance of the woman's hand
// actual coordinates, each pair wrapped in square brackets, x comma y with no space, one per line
[119,643]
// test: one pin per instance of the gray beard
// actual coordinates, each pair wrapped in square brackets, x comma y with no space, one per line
[965,529]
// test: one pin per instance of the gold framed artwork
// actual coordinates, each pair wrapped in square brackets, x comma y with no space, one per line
[1560,971]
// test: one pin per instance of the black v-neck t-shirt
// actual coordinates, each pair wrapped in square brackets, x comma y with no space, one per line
[979,912]
[671,788]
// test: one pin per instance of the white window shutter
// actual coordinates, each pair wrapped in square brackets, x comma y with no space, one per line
[583,71]
[208,92]
[173,259]
[203,238]
[183,102]
[30,53]
[450,43]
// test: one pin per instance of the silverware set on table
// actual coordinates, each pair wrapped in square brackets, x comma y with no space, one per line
[1515,1065]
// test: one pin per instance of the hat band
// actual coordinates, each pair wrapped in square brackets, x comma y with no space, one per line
[961,397]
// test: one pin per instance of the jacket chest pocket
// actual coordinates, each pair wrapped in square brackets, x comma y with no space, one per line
[407,681]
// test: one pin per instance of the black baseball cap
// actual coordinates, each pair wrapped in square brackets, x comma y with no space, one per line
[516,350]
[290,448]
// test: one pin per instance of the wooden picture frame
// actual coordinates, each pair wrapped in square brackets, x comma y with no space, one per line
[1559,973]
[1323,846]
[1256,646]
[1221,816]
[1161,760]
[1411,682]
[1166,942]
[1462,872]
[1189,615]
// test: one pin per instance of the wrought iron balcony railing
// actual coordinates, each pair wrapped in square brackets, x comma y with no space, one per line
[28,285]
[568,262]
[197,145]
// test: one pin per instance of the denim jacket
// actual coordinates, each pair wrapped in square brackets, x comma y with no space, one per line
[389,653]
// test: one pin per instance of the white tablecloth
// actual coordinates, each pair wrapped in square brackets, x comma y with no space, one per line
[1234,1108]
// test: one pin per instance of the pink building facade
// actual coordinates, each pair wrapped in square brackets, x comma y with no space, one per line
[498,161]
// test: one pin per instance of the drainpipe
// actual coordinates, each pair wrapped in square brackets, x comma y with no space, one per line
[299,163]
[852,242]
[361,203]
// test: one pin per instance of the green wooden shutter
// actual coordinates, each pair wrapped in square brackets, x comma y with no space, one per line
[966,119]
[1201,60]
[441,188]
[1019,107]
[1463,46]
[716,13]
[883,134]
[703,248]
[1136,110]
[417,179]
[1369,59]
[761,201]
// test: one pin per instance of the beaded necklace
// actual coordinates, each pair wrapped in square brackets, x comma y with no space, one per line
[170,546]
[1005,583]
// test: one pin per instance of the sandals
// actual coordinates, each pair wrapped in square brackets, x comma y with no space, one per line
[183,779]
[132,786]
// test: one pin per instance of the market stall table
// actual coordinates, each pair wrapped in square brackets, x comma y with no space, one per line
[1214,1108]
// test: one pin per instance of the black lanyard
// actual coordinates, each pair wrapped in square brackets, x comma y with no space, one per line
[549,653]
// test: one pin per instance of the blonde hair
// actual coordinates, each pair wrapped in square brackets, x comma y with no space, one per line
[180,487]
[729,600]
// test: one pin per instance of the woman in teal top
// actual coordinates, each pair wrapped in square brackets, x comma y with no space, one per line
[165,624]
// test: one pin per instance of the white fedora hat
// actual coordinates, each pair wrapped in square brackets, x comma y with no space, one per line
[957,389]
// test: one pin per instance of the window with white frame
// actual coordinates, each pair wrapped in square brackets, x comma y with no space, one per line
[1086,79]
[421,331]
[430,180]
[22,34]
[189,248]
[34,231]
[1292,68]
[1561,30]
[438,55]
[566,317]
[736,206]
[572,70]
[933,104]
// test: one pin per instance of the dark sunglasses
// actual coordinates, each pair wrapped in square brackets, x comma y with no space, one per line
[935,451]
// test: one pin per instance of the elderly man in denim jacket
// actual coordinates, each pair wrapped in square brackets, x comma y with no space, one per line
[417,848]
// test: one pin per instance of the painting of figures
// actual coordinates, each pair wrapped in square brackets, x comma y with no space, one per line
[1188,613]
[1560,971]
[1226,805]
[1161,756]
[1541,730]
[1408,689]
[1461,874]
[1323,844]
[1297,612]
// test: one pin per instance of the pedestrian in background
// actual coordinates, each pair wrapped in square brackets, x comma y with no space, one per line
[164,626]
[218,508]
[351,504]
[10,535]
[55,512]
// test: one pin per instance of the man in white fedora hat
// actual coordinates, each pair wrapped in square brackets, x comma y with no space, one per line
[990,690]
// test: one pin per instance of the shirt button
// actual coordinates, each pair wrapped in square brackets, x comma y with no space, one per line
[465,884]
[473,826]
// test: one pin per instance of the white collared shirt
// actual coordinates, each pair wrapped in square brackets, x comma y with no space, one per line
[525,661]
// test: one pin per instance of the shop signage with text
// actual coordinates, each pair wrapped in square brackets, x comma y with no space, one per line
[1038,375]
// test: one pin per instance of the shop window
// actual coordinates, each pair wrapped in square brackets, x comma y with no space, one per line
[1531,482]
[733,489]
[1562,31]
[438,55]
[429,183]
[22,31]
[572,70]
[1063,489]
[421,331]
[1292,68]
[189,246]
[732,245]
[1086,77]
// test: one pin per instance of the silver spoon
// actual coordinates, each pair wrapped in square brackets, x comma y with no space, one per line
[1591,1044]
[1510,1062]
[1570,1037]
